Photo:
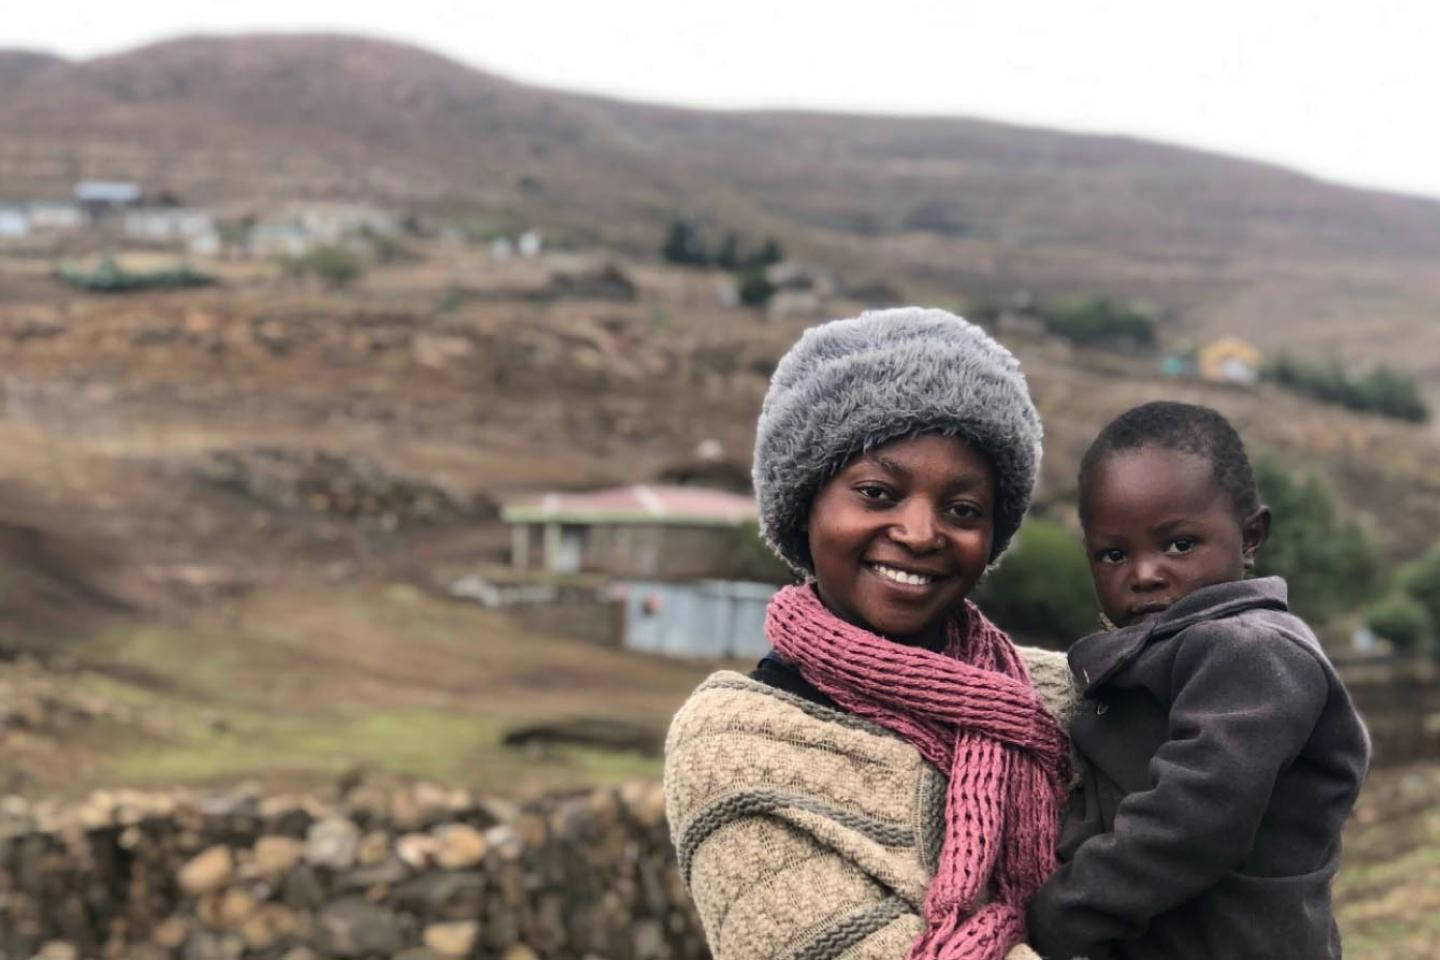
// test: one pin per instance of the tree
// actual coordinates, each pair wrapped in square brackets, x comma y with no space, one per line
[684,244]
[728,256]
[1420,579]
[755,288]
[1041,589]
[770,253]
[1402,620]
[335,265]
[1329,562]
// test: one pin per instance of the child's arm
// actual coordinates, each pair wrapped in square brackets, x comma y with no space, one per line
[1244,705]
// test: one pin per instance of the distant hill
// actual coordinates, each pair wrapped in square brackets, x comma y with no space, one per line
[941,208]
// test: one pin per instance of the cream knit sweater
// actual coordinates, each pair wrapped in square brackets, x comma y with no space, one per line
[805,833]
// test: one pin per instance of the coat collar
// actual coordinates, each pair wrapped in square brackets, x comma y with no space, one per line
[1097,657]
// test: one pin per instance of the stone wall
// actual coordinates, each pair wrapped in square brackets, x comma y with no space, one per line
[419,872]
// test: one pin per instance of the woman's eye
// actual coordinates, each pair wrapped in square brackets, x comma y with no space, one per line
[1182,545]
[872,491]
[964,511]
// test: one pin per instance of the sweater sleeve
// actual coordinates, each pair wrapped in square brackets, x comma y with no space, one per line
[1245,702]
[797,834]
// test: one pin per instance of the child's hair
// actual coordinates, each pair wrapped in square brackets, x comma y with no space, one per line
[1188,428]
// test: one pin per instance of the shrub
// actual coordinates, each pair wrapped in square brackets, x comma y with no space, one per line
[1420,579]
[1383,391]
[752,559]
[755,288]
[1041,589]
[1329,562]
[1402,620]
[770,253]
[1099,322]
[335,265]
[684,244]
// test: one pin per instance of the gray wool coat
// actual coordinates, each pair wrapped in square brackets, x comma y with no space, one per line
[1220,755]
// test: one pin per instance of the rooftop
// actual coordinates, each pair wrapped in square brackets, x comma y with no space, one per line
[636,503]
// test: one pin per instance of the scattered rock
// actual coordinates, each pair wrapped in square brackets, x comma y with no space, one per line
[356,927]
[416,850]
[459,845]
[332,843]
[455,939]
[208,871]
[58,950]
[276,856]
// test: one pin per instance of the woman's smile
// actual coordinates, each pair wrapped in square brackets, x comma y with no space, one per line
[902,533]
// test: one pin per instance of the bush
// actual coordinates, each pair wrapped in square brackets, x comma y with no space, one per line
[1420,580]
[110,277]
[752,559]
[1041,590]
[1099,322]
[337,266]
[1330,563]
[684,244]
[1402,620]
[1382,391]
[755,288]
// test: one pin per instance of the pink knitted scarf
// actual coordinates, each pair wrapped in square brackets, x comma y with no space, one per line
[972,712]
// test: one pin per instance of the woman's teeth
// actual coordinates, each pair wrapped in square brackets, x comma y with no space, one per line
[900,576]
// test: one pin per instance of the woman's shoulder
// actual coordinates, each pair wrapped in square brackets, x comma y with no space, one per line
[733,703]
[1051,677]
[736,734]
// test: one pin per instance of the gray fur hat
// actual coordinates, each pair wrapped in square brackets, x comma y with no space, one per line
[849,386]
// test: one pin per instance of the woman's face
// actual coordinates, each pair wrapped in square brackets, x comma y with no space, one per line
[902,533]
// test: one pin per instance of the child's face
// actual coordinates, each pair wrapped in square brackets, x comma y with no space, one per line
[901,534]
[1158,527]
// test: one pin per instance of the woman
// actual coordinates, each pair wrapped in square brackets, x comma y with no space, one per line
[887,782]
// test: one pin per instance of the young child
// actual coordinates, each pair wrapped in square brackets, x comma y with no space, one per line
[1219,751]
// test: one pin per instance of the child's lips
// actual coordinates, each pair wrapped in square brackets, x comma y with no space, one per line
[1144,610]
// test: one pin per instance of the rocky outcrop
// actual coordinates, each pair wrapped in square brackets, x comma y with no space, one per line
[419,872]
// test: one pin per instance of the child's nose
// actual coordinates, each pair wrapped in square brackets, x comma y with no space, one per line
[1149,573]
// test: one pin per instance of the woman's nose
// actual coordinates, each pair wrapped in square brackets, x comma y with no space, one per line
[917,527]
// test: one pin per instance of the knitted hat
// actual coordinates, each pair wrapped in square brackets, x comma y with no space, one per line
[849,386]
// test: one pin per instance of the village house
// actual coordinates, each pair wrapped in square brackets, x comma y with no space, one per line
[275,238]
[642,530]
[101,198]
[56,215]
[168,224]
[1229,360]
[14,222]
[332,222]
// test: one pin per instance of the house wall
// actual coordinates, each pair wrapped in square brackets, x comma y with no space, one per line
[714,619]
[658,550]
[665,551]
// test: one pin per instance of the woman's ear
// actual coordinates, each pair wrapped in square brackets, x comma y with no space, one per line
[1254,530]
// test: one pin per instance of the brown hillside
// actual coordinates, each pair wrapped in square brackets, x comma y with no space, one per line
[941,207]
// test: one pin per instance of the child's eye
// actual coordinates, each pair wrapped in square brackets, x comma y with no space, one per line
[1181,545]
[1113,555]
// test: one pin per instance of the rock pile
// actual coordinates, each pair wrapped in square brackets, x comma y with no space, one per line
[344,487]
[422,873]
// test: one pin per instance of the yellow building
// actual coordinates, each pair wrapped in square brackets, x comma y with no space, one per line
[1228,360]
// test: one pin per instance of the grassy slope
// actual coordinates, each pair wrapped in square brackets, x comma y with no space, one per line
[292,691]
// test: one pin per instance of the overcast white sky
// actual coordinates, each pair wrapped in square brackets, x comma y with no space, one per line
[1345,90]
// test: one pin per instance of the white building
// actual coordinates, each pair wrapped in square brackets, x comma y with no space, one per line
[56,215]
[115,193]
[14,222]
[166,224]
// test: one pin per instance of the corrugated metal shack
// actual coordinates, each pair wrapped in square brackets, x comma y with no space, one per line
[707,618]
